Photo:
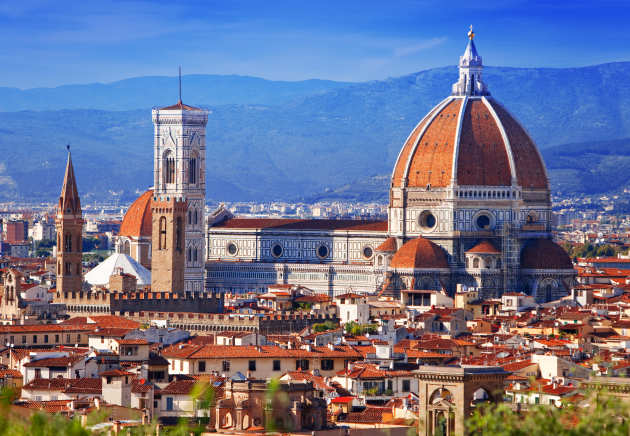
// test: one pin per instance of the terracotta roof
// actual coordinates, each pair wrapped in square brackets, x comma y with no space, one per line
[66,385]
[103,321]
[179,387]
[482,159]
[115,373]
[137,221]
[54,362]
[483,156]
[419,253]
[342,400]
[250,351]
[530,169]
[179,106]
[300,224]
[133,342]
[484,246]
[544,254]
[389,245]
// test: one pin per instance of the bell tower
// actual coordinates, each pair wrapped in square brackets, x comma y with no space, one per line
[179,168]
[69,224]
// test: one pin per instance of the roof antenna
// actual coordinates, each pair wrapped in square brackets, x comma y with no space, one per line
[180,84]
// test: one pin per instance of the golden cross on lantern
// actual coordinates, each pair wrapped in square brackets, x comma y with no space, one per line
[471,34]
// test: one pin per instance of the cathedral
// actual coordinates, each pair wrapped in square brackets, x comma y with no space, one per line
[469,205]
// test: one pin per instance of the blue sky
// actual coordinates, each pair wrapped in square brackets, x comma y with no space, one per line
[49,43]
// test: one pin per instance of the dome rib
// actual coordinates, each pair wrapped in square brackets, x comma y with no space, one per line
[399,175]
[431,160]
[529,166]
[458,132]
[506,140]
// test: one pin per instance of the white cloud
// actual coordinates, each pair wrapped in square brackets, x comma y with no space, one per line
[418,47]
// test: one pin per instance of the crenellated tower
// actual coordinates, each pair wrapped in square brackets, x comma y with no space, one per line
[69,223]
[168,253]
[179,172]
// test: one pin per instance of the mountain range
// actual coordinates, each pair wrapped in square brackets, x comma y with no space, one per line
[307,140]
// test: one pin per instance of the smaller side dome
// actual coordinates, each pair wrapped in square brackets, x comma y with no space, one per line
[419,253]
[388,246]
[137,220]
[484,247]
[544,254]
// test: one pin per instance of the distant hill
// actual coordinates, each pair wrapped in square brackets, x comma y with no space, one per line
[146,92]
[593,167]
[303,144]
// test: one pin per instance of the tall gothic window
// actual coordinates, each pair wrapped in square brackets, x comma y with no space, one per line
[68,242]
[162,244]
[168,167]
[196,217]
[178,234]
[192,170]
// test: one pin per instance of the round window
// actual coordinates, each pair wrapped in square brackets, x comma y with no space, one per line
[368,252]
[322,251]
[232,249]
[427,220]
[276,250]
[483,222]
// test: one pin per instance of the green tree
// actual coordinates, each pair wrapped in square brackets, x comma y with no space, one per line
[600,415]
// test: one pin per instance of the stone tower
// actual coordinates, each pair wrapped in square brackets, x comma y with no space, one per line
[69,223]
[179,172]
[168,252]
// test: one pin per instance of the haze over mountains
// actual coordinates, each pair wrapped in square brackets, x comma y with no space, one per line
[314,139]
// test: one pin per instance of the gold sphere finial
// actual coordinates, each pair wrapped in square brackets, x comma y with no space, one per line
[471,34]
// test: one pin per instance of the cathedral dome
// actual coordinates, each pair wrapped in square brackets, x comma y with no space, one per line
[469,139]
[419,253]
[137,220]
[544,254]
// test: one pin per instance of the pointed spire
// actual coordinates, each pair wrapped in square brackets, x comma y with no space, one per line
[180,84]
[69,202]
[470,69]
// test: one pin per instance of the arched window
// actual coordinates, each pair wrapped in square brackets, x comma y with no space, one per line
[68,242]
[79,268]
[178,234]
[168,167]
[126,248]
[190,217]
[196,217]
[195,254]
[188,254]
[476,262]
[192,170]
[162,244]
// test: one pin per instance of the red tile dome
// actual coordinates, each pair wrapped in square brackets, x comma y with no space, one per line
[472,141]
[419,253]
[137,220]
[544,254]
[484,247]
[469,140]
[388,246]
